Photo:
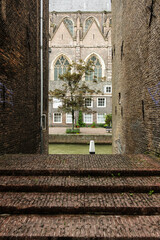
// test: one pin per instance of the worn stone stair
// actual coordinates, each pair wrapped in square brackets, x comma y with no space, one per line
[80,203]
[49,197]
[79,184]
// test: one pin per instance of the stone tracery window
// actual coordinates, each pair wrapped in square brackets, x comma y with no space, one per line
[97,74]
[60,67]
[69,25]
[88,23]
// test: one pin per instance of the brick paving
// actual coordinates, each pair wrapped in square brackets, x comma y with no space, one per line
[81,227]
[78,162]
[83,131]
[79,197]
[71,183]
[119,203]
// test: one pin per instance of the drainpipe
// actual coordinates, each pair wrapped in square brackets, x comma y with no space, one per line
[41,71]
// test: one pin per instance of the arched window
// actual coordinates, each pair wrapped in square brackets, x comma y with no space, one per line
[69,25]
[97,74]
[60,67]
[88,23]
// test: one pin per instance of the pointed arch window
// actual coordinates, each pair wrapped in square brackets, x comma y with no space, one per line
[69,25]
[60,67]
[88,23]
[97,74]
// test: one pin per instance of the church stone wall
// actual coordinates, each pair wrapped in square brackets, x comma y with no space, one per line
[20,75]
[136,75]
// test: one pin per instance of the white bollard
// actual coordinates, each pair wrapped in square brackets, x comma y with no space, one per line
[92,147]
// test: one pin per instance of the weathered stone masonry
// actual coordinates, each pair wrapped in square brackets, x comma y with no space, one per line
[136,75]
[20,75]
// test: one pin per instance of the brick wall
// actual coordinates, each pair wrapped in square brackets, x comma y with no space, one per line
[20,75]
[95,110]
[136,75]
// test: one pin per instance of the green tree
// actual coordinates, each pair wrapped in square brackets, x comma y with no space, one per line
[108,120]
[80,119]
[74,89]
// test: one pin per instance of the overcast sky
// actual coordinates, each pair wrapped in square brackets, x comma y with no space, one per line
[82,5]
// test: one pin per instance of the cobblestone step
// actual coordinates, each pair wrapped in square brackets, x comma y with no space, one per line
[79,172]
[79,227]
[78,164]
[76,203]
[78,184]
[79,197]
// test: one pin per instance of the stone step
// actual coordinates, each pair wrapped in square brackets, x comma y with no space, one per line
[80,203]
[84,165]
[79,227]
[79,172]
[78,184]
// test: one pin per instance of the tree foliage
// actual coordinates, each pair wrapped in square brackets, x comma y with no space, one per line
[80,119]
[108,120]
[74,89]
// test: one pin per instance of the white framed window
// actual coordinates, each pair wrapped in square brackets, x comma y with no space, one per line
[57,117]
[68,118]
[88,118]
[108,89]
[101,102]
[88,102]
[101,117]
[56,103]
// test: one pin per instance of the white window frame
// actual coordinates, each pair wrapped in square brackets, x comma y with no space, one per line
[87,121]
[104,102]
[61,117]
[67,114]
[106,87]
[91,102]
[101,114]
[58,103]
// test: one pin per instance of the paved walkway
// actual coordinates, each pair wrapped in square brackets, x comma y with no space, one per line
[84,131]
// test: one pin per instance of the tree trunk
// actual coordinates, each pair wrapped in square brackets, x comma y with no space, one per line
[72,119]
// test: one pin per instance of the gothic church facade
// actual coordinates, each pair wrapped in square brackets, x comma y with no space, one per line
[87,36]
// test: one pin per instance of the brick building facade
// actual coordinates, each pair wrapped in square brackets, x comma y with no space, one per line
[87,36]
[20,75]
[136,75]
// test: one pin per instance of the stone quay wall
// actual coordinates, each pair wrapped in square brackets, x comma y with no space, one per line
[81,139]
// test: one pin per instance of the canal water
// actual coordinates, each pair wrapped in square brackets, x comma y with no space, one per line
[78,149]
